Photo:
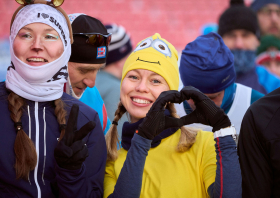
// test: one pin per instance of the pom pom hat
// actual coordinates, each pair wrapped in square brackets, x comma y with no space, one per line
[238,16]
[158,55]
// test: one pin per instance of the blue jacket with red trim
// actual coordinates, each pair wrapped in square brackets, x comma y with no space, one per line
[92,98]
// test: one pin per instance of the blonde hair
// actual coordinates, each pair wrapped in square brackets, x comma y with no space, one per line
[187,138]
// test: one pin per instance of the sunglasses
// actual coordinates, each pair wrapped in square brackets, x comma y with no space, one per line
[97,39]
[53,3]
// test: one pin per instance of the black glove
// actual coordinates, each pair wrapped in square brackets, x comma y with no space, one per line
[206,111]
[156,121]
[71,151]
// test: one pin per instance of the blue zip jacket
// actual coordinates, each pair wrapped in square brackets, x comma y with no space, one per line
[260,79]
[92,98]
[48,179]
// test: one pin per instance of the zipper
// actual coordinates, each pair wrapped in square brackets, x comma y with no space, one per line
[29,135]
[37,149]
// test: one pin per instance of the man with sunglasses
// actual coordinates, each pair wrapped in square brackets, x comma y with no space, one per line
[268,13]
[89,53]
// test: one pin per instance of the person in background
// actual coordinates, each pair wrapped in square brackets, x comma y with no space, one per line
[88,56]
[52,145]
[268,13]
[238,26]
[159,156]
[200,60]
[108,80]
[269,54]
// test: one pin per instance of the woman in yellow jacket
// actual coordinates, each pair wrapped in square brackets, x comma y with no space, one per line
[160,157]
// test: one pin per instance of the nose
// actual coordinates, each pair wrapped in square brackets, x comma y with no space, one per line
[89,81]
[142,86]
[239,43]
[37,45]
[274,17]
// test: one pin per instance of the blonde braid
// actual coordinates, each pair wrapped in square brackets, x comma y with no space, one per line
[112,135]
[188,134]
[25,152]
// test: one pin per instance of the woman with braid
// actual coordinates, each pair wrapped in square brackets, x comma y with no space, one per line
[52,145]
[160,157]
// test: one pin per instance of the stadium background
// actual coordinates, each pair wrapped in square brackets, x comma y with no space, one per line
[178,21]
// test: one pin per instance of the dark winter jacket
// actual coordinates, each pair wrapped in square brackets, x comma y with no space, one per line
[48,179]
[259,146]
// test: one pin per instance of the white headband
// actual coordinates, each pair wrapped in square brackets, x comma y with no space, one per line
[39,83]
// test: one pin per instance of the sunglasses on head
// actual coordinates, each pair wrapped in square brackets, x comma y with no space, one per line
[53,3]
[97,39]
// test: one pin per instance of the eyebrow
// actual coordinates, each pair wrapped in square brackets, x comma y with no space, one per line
[89,68]
[153,74]
[46,30]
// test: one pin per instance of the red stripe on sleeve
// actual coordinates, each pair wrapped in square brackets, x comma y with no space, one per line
[104,111]
[64,88]
[221,167]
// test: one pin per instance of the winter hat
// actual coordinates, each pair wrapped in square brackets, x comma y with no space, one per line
[83,52]
[267,42]
[120,45]
[40,83]
[207,64]
[258,4]
[238,16]
[158,55]
[264,55]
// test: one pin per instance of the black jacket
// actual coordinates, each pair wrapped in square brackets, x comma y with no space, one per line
[259,148]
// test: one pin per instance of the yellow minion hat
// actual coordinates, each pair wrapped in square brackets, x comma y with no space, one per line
[157,55]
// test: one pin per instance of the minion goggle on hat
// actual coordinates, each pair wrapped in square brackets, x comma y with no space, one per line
[53,3]
[158,55]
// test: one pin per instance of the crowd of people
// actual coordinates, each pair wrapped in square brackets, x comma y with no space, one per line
[88,114]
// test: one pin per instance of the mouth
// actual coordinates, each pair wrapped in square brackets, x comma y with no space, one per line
[141,101]
[37,60]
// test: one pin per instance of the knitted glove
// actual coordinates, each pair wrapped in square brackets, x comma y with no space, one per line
[206,111]
[156,121]
[71,151]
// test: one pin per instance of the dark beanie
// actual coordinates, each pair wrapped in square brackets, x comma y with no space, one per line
[120,45]
[82,52]
[207,64]
[258,4]
[238,16]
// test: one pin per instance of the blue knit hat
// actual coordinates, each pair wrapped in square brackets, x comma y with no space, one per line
[207,64]
[258,4]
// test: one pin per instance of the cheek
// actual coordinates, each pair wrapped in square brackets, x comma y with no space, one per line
[123,94]
[229,42]
[59,51]
[55,49]
[157,91]
[73,75]
[18,48]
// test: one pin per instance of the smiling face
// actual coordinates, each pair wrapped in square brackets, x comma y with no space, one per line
[37,44]
[82,75]
[139,90]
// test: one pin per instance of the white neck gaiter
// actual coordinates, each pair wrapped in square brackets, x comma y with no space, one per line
[39,83]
